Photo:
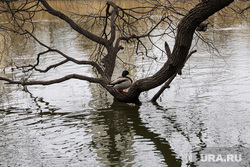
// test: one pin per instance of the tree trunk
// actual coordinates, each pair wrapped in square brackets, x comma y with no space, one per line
[185,32]
[174,64]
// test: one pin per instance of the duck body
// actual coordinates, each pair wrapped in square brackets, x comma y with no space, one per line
[121,83]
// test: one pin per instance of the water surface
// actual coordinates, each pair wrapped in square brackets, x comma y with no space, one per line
[76,123]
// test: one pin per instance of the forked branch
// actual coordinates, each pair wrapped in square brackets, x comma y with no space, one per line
[67,58]
[73,24]
[167,84]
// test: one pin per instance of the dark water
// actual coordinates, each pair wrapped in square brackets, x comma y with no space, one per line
[76,123]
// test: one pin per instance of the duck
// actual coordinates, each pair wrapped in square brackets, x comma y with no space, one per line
[122,82]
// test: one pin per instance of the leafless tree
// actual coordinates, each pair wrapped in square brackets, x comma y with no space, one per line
[120,27]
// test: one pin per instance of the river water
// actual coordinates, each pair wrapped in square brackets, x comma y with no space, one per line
[76,123]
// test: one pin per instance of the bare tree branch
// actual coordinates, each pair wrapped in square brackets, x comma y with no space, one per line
[245,9]
[51,66]
[75,26]
[59,80]
[167,84]
[68,58]
[168,51]
[120,26]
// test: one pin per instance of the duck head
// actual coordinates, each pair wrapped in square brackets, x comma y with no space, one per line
[125,73]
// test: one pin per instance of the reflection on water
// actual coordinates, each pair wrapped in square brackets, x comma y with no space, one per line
[128,135]
[76,123]
[114,136]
